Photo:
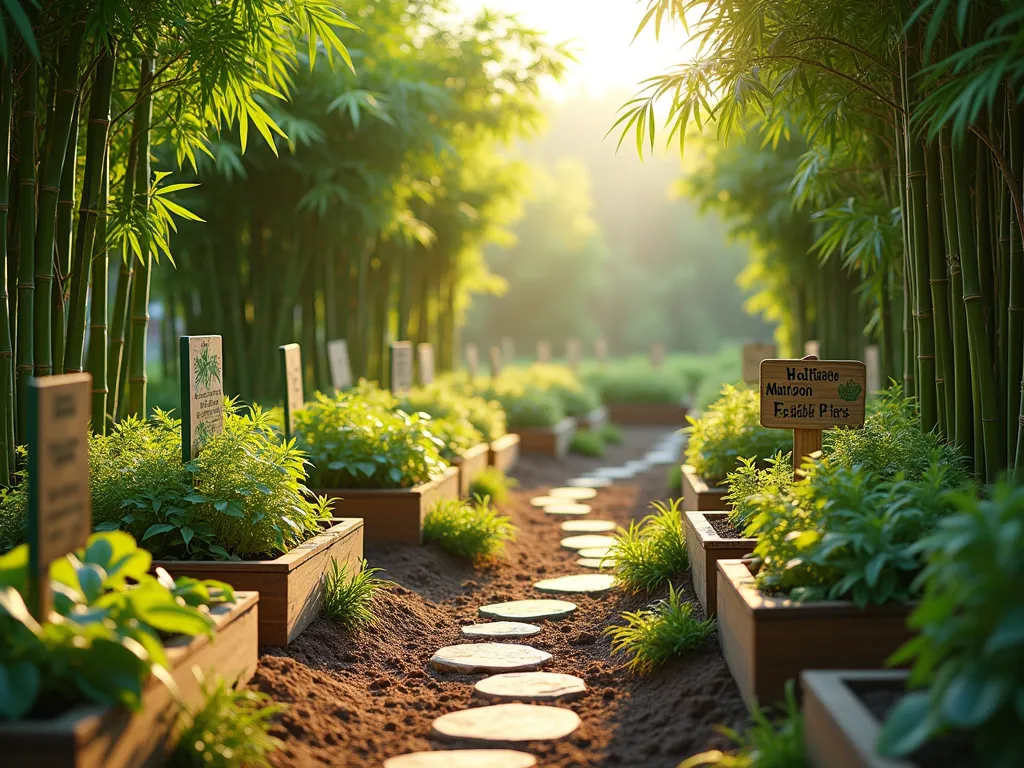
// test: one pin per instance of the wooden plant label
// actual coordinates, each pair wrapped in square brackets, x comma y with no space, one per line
[657,355]
[294,399]
[425,352]
[812,348]
[202,392]
[874,372]
[59,503]
[601,349]
[472,360]
[572,353]
[508,349]
[495,361]
[753,354]
[543,351]
[341,368]
[401,367]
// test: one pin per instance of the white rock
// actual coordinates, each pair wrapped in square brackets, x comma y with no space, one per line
[507,723]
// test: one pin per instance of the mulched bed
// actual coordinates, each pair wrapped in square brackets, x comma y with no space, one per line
[725,529]
[356,700]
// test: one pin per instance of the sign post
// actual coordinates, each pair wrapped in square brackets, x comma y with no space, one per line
[425,352]
[472,360]
[202,392]
[401,367]
[59,504]
[543,351]
[294,399]
[874,374]
[810,395]
[753,354]
[657,355]
[572,354]
[495,361]
[341,368]
[601,350]
[508,349]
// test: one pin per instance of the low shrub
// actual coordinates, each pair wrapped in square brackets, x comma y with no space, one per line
[492,484]
[349,599]
[446,400]
[612,434]
[577,398]
[468,529]
[751,481]
[636,382]
[587,443]
[653,552]
[525,405]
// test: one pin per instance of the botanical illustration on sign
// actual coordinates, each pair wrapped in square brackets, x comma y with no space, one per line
[203,402]
[850,391]
[207,369]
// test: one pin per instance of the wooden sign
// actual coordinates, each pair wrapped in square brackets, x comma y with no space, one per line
[601,349]
[753,354]
[294,399]
[543,351]
[508,349]
[812,348]
[472,360]
[874,369]
[657,354]
[59,503]
[341,367]
[401,367]
[572,353]
[495,360]
[202,392]
[425,353]
[810,395]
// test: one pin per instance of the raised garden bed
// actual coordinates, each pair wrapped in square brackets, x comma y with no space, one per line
[504,452]
[649,414]
[290,586]
[394,515]
[698,495]
[470,464]
[839,727]
[92,736]
[549,441]
[594,421]
[768,640]
[706,546]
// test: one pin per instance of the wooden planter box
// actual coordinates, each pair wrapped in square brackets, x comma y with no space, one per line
[839,730]
[705,548]
[594,421]
[698,495]
[649,414]
[92,736]
[504,452]
[470,464]
[769,640]
[549,441]
[290,586]
[395,515]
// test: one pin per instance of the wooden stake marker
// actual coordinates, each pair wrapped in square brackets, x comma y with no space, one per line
[494,356]
[401,367]
[202,392]
[341,367]
[543,351]
[508,349]
[573,354]
[294,399]
[753,354]
[425,353]
[472,360]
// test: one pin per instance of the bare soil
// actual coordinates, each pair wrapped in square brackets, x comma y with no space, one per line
[357,699]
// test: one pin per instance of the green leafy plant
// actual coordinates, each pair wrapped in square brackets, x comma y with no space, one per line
[653,552]
[492,484]
[448,398]
[468,529]
[577,398]
[850,390]
[660,632]
[105,634]
[970,623]
[635,381]
[612,434]
[349,599]
[230,728]
[674,480]
[751,481]
[525,405]
[587,443]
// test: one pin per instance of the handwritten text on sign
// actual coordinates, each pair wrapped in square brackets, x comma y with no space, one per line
[812,394]
[202,392]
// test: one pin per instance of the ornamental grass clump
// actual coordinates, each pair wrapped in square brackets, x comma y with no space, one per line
[653,552]
[493,484]
[349,599]
[469,529]
[587,443]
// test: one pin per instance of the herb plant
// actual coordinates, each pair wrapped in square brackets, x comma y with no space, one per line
[635,382]
[349,599]
[472,530]
[612,434]
[750,481]
[577,398]
[444,399]
[653,552]
[587,443]
[525,405]
[493,484]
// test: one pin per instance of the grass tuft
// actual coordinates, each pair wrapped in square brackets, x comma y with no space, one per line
[348,600]
[492,484]
[653,552]
[468,529]
[654,635]
[612,434]
[587,443]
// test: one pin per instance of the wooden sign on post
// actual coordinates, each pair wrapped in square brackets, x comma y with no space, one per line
[341,367]
[543,351]
[601,349]
[472,360]
[753,354]
[59,503]
[425,352]
[810,395]
[508,349]
[874,373]
[572,354]
[495,360]
[657,355]
[202,392]
[401,367]
[294,399]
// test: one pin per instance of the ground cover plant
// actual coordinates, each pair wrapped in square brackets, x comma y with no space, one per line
[525,404]
[469,529]
[577,399]
[612,434]
[349,597]
[652,552]
[587,443]
[477,418]
[493,484]
[635,381]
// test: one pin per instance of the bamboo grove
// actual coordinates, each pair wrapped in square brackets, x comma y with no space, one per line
[91,91]
[367,221]
[908,118]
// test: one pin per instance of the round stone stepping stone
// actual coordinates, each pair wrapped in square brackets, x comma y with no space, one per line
[545,501]
[589,482]
[488,657]
[595,562]
[501,629]
[506,723]
[619,473]
[463,758]
[530,687]
[595,552]
[529,610]
[581,583]
[587,541]
[567,508]
[588,526]
[573,494]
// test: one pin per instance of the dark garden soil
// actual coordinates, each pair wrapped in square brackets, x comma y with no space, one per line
[354,700]
[725,529]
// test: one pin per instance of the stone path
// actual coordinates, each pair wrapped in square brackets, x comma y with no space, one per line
[588,526]
[572,493]
[464,758]
[488,657]
[579,584]
[588,541]
[568,508]
[530,687]
[531,610]
[506,724]
[501,629]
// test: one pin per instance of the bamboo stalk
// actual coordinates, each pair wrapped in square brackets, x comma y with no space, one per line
[65,214]
[98,363]
[939,284]
[27,231]
[7,455]
[1015,300]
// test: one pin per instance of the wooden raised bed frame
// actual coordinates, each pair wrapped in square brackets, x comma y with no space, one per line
[769,640]
[594,421]
[839,730]
[395,515]
[93,736]
[471,464]
[290,586]
[698,495]
[648,414]
[548,441]
[504,452]
[706,547]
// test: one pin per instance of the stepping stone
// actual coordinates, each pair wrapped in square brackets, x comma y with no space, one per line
[529,610]
[567,508]
[581,583]
[463,758]
[638,465]
[609,473]
[589,482]
[488,657]
[573,494]
[506,723]
[545,501]
[588,526]
[618,473]
[596,563]
[530,687]
[587,541]
[662,457]
[595,552]
[501,629]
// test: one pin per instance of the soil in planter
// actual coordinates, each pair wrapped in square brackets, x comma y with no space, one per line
[725,529]
[356,700]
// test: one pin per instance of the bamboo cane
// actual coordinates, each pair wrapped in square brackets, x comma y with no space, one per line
[26,228]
